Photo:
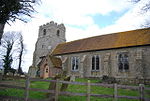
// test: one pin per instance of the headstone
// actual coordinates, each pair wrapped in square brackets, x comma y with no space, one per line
[65,86]
[72,78]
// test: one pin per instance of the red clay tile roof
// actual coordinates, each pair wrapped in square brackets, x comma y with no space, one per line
[56,61]
[109,41]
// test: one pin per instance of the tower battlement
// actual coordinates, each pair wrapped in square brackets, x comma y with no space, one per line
[52,23]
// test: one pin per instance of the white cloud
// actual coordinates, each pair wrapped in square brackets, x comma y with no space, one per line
[77,12]
[73,33]
[131,20]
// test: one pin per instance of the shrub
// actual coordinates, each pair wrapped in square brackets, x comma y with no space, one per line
[107,79]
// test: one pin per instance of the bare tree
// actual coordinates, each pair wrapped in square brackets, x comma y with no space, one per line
[8,41]
[144,9]
[12,48]
[10,10]
[21,51]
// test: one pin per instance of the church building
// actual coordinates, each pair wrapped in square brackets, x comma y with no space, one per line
[123,55]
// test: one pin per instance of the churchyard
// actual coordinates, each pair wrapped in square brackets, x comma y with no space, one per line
[79,90]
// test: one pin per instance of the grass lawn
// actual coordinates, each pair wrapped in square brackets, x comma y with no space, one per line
[71,88]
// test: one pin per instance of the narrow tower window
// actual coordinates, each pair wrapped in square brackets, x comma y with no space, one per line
[42,46]
[44,32]
[58,33]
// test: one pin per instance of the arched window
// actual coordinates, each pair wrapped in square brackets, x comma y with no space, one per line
[58,33]
[95,63]
[46,70]
[75,63]
[44,32]
[123,62]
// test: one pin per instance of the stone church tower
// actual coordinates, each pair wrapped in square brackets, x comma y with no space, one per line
[50,35]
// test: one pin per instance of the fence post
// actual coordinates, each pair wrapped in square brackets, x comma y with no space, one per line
[56,90]
[115,92]
[88,90]
[27,84]
[1,76]
[141,91]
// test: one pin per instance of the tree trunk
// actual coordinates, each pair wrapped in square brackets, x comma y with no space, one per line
[20,55]
[2,25]
[20,60]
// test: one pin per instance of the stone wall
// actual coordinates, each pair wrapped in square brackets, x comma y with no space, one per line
[139,63]
[32,71]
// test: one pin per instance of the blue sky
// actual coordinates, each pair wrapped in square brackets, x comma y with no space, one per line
[109,19]
[82,19]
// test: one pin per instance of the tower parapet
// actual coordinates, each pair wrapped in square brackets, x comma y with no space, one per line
[51,28]
[52,23]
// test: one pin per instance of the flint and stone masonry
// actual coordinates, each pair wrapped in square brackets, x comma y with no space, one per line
[50,35]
